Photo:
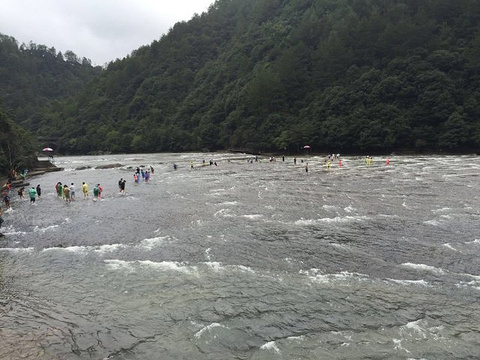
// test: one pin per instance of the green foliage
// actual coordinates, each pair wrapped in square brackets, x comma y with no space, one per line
[274,75]
[32,76]
[16,146]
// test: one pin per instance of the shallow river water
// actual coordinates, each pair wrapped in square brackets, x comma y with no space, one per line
[246,261]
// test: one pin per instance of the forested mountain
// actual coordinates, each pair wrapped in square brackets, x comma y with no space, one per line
[33,75]
[271,75]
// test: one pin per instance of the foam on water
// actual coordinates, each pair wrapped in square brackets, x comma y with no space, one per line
[74,249]
[331,208]
[432,222]
[424,267]
[224,213]
[338,219]
[476,241]
[253,216]
[468,284]
[415,326]
[270,346]
[45,229]
[102,249]
[340,246]
[228,203]
[398,345]
[296,338]
[149,244]
[146,244]
[436,211]
[404,204]
[218,192]
[411,282]
[349,209]
[343,276]
[10,230]
[208,328]
[170,266]
[217,266]
[17,250]
[448,246]
[477,277]
[116,264]
[207,253]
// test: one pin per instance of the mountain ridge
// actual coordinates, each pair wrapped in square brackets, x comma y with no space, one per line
[274,75]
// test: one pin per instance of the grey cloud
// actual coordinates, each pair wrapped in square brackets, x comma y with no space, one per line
[101,30]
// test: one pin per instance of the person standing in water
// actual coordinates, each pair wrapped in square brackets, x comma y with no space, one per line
[67,193]
[1,219]
[59,188]
[33,193]
[122,186]
[85,189]
[72,191]
[39,191]
[95,191]
[6,199]
[100,190]
[306,168]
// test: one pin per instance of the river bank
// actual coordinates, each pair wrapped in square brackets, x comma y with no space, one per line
[40,168]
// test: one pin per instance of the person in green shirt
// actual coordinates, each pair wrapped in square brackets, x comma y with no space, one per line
[33,194]
[95,191]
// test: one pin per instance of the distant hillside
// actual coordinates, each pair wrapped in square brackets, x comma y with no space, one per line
[33,75]
[273,75]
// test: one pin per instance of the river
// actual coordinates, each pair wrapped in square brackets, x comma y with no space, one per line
[246,261]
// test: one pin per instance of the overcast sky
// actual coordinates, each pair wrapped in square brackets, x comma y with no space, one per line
[101,30]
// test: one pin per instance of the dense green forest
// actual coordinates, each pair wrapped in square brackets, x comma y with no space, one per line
[33,75]
[17,147]
[274,75]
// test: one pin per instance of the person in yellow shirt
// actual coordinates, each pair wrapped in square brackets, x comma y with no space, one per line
[85,189]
